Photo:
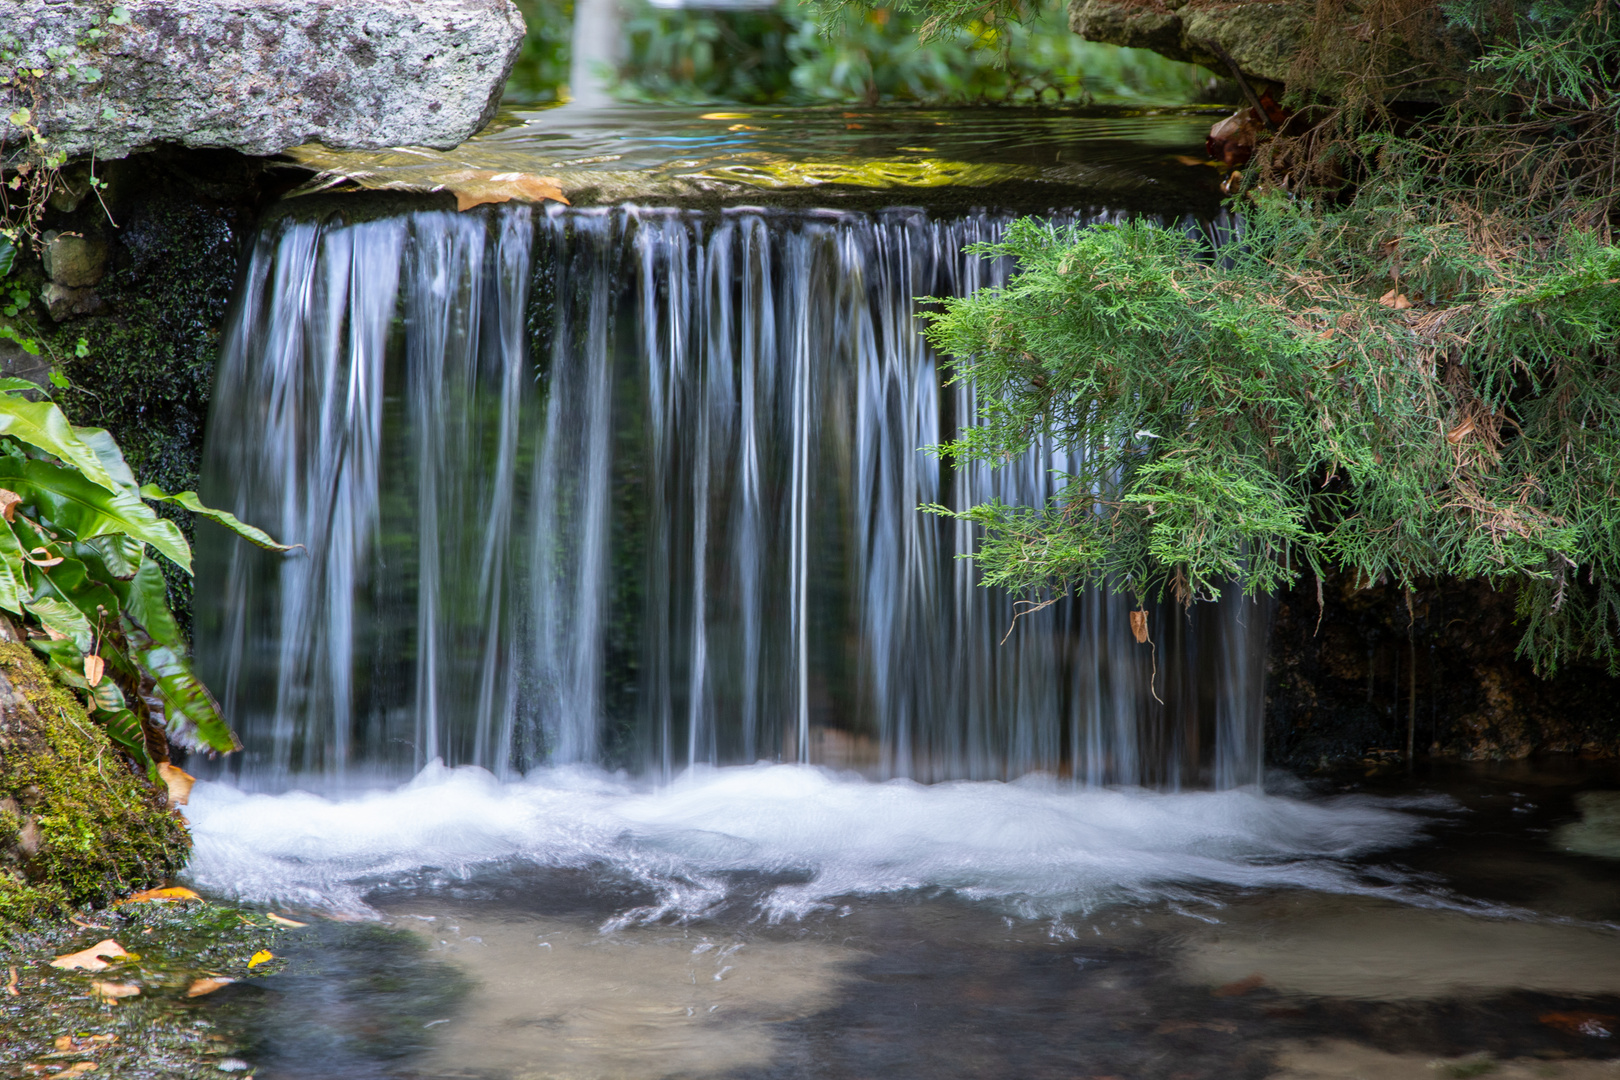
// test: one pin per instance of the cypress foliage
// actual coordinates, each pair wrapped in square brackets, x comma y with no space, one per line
[1414,375]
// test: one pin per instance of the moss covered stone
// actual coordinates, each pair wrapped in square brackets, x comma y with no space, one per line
[78,825]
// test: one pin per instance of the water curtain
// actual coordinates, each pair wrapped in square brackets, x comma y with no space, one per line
[639,488]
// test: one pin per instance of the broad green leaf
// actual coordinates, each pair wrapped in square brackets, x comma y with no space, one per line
[59,615]
[41,424]
[119,556]
[10,384]
[107,697]
[102,444]
[8,255]
[189,500]
[125,729]
[192,710]
[13,575]
[65,655]
[146,603]
[72,505]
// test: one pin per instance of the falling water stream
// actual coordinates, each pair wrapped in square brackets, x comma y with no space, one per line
[621,667]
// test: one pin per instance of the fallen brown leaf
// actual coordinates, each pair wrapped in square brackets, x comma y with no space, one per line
[94,668]
[283,920]
[111,992]
[1242,986]
[1396,300]
[474,187]
[90,959]
[9,501]
[76,921]
[179,782]
[1460,432]
[1590,1024]
[172,892]
[1139,627]
[200,987]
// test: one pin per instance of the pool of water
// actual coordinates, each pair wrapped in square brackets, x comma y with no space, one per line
[793,922]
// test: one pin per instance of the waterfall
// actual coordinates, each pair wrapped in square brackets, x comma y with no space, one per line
[639,488]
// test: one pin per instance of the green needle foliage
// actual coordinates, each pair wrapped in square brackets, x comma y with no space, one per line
[78,547]
[1415,377]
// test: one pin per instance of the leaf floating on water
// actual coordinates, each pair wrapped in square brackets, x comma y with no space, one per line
[261,957]
[112,992]
[474,187]
[1245,985]
[1590,1024]
[283,920]
[171,893]
[179,782]
[91,959]
[1139,627]
[94,668]
[208,985]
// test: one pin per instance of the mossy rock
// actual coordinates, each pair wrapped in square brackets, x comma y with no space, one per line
[79,824]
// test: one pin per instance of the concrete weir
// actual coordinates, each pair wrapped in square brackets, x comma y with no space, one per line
[257,76]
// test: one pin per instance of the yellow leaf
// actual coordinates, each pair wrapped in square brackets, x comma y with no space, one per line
[94,668]
[260,957]
[208,985]
[179,782]
[173,892]
[283,920]
[111,991]
[726,116]
[91,959]
[474,187]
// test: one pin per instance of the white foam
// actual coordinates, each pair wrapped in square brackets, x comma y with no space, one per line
[1035,846]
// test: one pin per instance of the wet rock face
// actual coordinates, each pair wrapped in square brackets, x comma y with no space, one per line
[1399,55]
[257,76]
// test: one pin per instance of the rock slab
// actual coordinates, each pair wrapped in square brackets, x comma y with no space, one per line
[257,76]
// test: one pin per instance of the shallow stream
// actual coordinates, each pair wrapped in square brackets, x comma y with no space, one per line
[614,509]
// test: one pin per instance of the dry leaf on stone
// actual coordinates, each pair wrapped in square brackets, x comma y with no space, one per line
[1139,627]
[260,957]
[172,892]
[94,668]
[200,987]
[179,782]
[111,992]
[91,959]
[474,187]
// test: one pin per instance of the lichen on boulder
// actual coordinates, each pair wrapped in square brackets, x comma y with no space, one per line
[79,826]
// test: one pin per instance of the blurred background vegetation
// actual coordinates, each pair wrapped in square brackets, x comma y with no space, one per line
[783,55]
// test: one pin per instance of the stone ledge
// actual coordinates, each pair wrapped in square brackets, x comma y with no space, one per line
[1267,38]
[259,76]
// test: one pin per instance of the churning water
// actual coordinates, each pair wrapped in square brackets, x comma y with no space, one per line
[640,488]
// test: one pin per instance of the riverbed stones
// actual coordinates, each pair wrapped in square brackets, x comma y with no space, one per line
[257,76]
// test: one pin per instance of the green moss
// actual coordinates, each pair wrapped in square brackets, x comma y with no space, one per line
[98,829]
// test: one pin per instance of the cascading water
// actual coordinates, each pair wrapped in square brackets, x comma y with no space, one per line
[641,487]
